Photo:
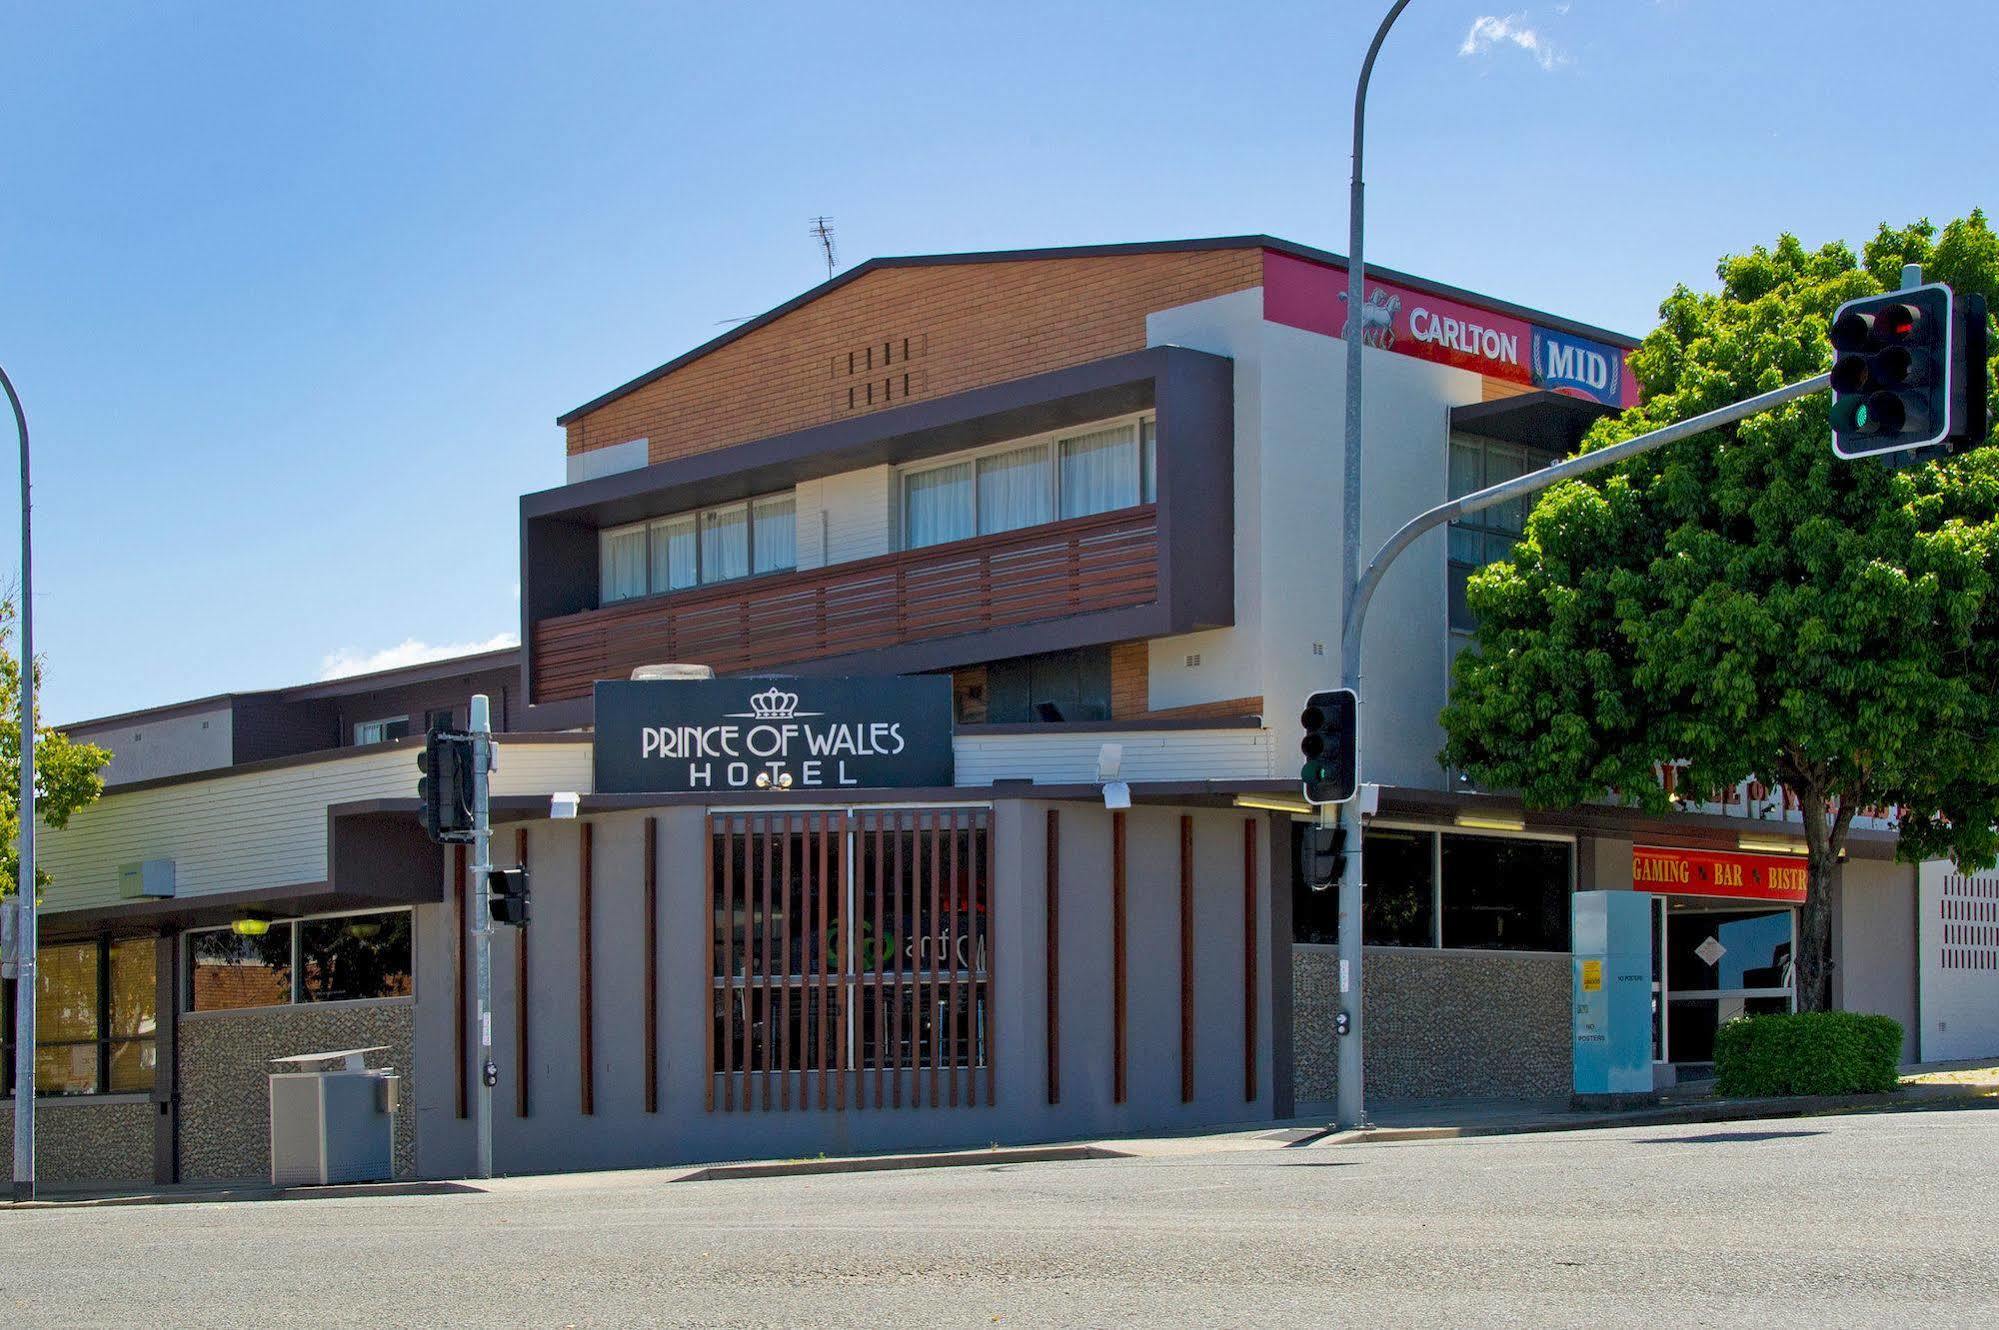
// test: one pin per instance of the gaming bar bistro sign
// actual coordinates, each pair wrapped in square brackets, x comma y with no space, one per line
[767,736]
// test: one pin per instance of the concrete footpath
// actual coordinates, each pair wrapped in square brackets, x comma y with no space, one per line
[1932,1086]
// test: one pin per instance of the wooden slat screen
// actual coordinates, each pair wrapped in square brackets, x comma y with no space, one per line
[1083,565]
[852,959]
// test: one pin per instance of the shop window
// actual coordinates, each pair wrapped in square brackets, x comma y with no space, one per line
[1506,894]
[94,1018]
[1022,484]
[1426,889]
[1396,908]
[717,544]
[329,958]
[1053,687]
[354,956]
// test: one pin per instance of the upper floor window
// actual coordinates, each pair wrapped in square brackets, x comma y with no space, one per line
[381,731]
[688,549]
[1483,537]
[1026,483]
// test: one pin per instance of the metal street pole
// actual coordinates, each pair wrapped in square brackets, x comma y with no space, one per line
[1352,1094]
[24,885]
[482,921]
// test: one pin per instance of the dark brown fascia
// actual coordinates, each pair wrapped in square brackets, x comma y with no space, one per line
[1551,421]
[1193,396]
[1272,243]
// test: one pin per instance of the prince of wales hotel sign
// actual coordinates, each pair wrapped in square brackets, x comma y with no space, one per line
[750,734]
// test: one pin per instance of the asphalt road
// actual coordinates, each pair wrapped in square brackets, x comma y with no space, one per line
[1888,1219]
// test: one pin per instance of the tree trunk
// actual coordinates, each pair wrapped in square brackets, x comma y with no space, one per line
[1825,837]
[1813,962]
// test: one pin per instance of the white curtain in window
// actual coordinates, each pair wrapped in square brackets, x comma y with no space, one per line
[621,564]
[1100,471]
[673,566]
[725,543]
[776,536]
[1148,461]
[1013,489]
[937,505]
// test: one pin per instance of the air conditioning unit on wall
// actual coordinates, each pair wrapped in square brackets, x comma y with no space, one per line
[149,880]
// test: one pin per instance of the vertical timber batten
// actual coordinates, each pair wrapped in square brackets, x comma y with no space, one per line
[1186,959]
[521,993]
[1052,887]
[1249,960]
[1117,958]
[458,1015]
[651,962]
[586,1016]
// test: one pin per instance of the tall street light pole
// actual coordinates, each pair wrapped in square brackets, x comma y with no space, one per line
[24,884]
[1352,1091]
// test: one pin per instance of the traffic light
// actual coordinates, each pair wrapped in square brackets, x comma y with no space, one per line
[1908,372]
[1331,772]
[1325,857]
[444,789]
[507,896]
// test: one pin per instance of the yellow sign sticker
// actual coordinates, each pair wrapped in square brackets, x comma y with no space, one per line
[1592,976]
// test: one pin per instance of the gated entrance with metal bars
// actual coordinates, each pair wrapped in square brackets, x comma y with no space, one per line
[852,958]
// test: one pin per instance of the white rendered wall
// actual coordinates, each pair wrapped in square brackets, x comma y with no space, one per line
[1290,387]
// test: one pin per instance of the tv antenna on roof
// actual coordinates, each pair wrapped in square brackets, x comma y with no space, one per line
[822,228]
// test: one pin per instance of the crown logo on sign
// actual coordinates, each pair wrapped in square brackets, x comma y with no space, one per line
[774,705]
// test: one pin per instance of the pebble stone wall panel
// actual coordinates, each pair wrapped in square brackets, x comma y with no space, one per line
[1439,1024]
[86,1142]
[225,1065]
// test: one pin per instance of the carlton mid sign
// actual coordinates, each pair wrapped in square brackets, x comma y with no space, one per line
[797,735]
[1756,877]
[1429,327]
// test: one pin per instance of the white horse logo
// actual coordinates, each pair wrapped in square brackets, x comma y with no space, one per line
[1377,319]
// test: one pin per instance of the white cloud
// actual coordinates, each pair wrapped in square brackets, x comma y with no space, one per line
[1488,31]
[354,660]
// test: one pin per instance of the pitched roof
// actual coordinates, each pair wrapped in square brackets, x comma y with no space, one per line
[1307,252]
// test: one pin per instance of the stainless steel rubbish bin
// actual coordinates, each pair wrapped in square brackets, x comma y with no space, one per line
[332,1118]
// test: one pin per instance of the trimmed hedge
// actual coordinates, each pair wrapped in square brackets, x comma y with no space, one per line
[1807,1052]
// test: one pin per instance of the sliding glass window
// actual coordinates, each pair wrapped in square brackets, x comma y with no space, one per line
[685,550]
[1029,483]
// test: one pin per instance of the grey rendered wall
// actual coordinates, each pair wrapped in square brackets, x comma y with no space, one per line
[1875,962]
[1440,1024]
[225,1111]
[107,1140]
[556,1134]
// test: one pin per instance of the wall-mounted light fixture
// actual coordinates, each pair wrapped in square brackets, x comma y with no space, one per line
[1490,822]
[250,923]
[1770,844]
[1273,803]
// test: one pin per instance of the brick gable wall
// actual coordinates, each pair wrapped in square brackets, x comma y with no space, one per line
[904,334]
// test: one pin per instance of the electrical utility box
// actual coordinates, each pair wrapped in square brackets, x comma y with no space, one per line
[333,1119]
[1612,983]
[150,880]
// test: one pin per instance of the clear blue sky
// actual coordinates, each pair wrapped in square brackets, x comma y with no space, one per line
[294,293]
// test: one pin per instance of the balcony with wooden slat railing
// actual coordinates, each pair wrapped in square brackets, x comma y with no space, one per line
[1085,565]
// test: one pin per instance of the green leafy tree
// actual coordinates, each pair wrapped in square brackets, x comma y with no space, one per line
[1750,606]
[68,775]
